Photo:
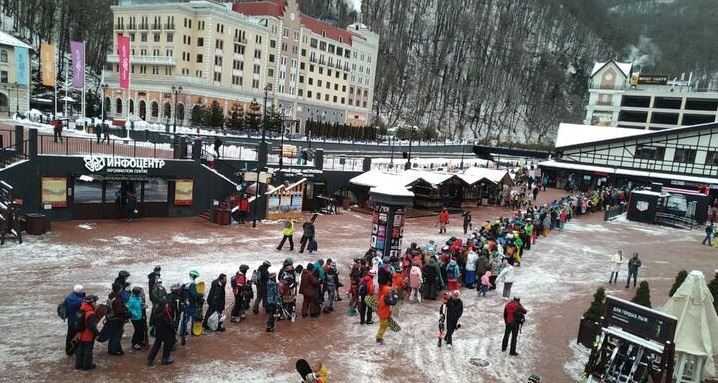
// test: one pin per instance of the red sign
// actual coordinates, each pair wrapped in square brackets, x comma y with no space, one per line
[123,52]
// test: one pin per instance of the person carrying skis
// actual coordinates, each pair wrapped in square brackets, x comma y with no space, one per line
[454,309]
[87,327]
[165,329]
[261,282]
[72,303]
[513,319]
[242,292]
[366,289]
[177,298]
[287,234]
[273,301]
[136,307]
[443,220]
[194,299]
[215,301]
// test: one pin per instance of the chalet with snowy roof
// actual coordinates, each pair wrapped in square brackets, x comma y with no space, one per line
[14,74]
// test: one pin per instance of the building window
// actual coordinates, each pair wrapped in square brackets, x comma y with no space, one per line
[272,43]
[712,158]
[300,93]
[238,65]
[311,67]
[218,60]
[364,104]
[236,80]
[301,79]
[285,32]
[118,106]
[156,37]
[143,37]
[255,84]
[301,66]
[323,45]
[270,72]
[132,37]
[271,58]
[200,41]
[319,96]
[199,58]
[319,83]
[313,43]
[257,69]
[219,44]
[258,39]
[351,102]
[257,54]
[335,98]
[155,109]
[311,81]
[3,56]
[326,97]
[343,99]
[309,93]
[687,156]
[296,35]
[3,77]
[170,37]
[239,49]
[217,76]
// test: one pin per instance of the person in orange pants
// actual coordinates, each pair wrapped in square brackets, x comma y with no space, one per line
[383,311]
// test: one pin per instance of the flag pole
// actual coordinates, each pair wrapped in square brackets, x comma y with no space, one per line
[84,72]
[66,76]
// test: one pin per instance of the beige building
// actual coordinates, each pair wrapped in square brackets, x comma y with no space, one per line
[229,53]
[13,97]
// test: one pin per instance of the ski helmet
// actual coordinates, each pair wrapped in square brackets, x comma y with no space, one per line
[288,261]
[194,274]
[243,268]
[266,263]
[176,288]
[158,268]
[78,289]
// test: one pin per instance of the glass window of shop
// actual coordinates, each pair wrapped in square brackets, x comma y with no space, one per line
[156,191]
[87,192]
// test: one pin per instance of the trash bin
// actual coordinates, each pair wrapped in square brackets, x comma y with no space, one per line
[36,224]
[223,216]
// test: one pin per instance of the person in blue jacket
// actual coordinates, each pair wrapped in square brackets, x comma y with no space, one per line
[273,301]
[72,306]
[136,305]
[193,301]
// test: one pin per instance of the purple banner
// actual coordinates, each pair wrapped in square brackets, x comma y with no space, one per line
[77,49]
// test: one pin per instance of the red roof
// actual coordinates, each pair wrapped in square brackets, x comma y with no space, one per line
[275,8]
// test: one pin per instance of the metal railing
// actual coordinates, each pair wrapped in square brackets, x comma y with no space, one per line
[352,164]
[114,148]
[614,211]
[13,153]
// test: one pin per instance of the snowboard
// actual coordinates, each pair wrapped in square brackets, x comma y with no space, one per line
[442,321]
[197,325]
[372,302]
[100,313]
[303,368]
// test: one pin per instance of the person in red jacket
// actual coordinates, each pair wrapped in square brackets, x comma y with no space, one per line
[513,319]
[443,220]
[383,311]
[366,289]
[83,355]
[243,208]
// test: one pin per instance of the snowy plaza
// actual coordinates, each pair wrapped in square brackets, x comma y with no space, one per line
[555,282]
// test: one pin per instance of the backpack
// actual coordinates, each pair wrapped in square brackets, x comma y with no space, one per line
[80,322]
[519,317]
[62,311]
[110,308]
[255,276]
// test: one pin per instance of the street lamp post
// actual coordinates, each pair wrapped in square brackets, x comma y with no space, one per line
[408,157]
[461,166]
[261,146]
[104,91]
[17,98]
[176,91]
[281,141]
[391,160]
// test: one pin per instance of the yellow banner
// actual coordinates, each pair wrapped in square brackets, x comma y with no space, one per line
[47,63]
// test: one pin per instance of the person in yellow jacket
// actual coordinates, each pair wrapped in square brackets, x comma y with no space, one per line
[288,233]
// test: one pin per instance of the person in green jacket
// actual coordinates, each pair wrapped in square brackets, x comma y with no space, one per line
[288,233]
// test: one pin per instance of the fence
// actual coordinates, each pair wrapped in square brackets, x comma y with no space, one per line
[352,164]
[113,147]
[613,211]
[13,153]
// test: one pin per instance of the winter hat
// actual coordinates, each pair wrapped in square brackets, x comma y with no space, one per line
[456,294]
[78,289]
[136,290]
[176,288]
[158,280]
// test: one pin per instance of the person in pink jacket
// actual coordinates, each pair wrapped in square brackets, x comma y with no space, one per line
[415,279]
[562,218]
[485,282]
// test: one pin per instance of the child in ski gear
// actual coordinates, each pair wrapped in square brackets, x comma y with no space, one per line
[194,299]
[287,234]
[452,275]
[308,287]
[415,280]
[616,262]
[215,300]
[261,282]
[513,318]
[136,307]
[443,220]
[507,277]
[117,315]
[72,303]
[242,292]
[87,327]
[454,309]
[287,287]
[366,288]
[165,332]
[485,282]
[633,265]
[273,301]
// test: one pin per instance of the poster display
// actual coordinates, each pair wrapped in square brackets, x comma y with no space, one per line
[184,192]
[397,233]
[286,201]
[54,191]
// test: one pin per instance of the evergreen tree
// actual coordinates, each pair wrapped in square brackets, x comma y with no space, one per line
[598,306]
[235,120]
[275,120]
[198,115]
[680,278]
[253,116]
[643,295]
[216,115]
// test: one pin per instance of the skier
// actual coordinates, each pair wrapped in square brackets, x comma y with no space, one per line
[616,262]
[117,314]
[242,292]
[287,234]
[273,301]
[366,288]
[415,280]
[215,300]
[136,307]
[330,285]
[454,309]
[165,329]
[467,221]
[308,287]
[513,318]
[157,296]
[262,274]
[177,298]
[152,277]
[72,303]
[355,276]
[443,220]
[633,265]
[194,299]
[507,277]
[87,327]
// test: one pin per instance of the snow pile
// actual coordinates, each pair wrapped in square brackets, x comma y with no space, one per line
[575,367]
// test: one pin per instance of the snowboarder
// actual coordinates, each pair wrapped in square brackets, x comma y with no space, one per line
[616,262]
[513,318]
[178,299]
[194,300]
[72,303]
[243,208]
[443,220]
[454,309]
[308,287]
[387,298]
[242,292]
[259,277]
[215,300]
[287,234]
[633,265]
[366,288]
[165,330]
[415,281]
[87,326]
[273,301]
[136,307]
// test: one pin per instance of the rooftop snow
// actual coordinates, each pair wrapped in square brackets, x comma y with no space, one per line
[628,172]
[392,189]
[623,67]
[7,39]
[572,134]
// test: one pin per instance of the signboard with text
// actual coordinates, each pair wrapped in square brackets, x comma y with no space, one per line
[652,79]
[639,320]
